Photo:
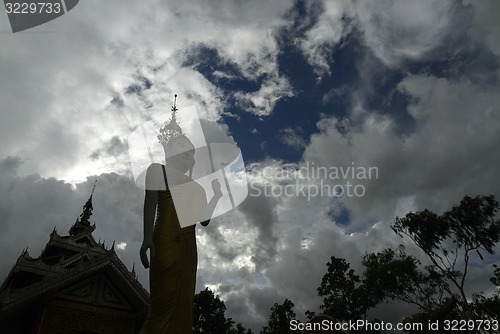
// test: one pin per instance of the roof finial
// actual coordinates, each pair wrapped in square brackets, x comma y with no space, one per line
[82,224]
[93,188]
[174,107]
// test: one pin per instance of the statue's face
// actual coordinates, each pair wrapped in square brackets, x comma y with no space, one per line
[180,154]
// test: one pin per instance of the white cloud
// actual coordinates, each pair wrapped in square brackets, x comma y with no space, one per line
[449,155]
[319,40]
[263,101]
[292,137]
[400,30]
[394,31]
[59,105]
[121,246]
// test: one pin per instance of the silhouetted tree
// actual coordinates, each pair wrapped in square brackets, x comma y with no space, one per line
[396,275]
[240,330]
[449,240]
[209,316]
[279,320]
[344,295]
[310,315]
[489,307]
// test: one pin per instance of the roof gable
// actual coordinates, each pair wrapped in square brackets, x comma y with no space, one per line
[69,267]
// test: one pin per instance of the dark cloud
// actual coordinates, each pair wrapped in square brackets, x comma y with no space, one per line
[261,213]
[10,164]
[141,83]
[251,306]
[113,147]
[116,146]
[117,101]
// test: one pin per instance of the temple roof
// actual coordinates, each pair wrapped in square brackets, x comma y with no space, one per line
[64,261]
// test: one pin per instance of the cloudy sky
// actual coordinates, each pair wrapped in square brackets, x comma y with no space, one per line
[411,88]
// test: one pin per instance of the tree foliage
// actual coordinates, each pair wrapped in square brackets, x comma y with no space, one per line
[209,316]
[451,239]
[279,319]
[489,307]
[240,330]
[344,295]
[392,274]
[388,275]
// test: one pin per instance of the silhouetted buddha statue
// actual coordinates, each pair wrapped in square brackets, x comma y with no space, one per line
[173,251]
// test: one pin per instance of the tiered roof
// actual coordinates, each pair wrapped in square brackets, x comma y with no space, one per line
[66,261]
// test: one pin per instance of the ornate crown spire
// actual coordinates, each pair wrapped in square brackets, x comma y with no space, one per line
[83,223]
[171,128]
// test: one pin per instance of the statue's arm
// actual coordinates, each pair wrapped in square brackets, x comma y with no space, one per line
[150,202]
[209,210]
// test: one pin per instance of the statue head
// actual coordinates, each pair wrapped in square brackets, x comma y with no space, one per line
[179,154]
[179,150]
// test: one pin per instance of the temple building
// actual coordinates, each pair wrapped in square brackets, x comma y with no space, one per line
[75,286]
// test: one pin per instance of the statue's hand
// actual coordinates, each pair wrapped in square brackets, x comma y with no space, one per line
[216,188]
[147,244]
